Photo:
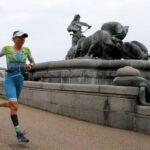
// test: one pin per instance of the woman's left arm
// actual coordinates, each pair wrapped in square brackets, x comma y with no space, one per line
[32,62]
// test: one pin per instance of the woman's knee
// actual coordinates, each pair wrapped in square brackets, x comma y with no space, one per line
[13,107]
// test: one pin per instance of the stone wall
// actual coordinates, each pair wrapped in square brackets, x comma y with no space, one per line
[114,106]
[85,71]
[142,119]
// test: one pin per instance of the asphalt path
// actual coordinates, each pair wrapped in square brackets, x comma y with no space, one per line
[48,131]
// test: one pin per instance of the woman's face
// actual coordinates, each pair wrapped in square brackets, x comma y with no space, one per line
[19,41]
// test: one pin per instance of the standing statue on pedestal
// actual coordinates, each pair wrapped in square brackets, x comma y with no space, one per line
[75,28]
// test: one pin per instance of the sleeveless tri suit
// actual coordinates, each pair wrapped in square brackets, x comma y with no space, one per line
[14,78]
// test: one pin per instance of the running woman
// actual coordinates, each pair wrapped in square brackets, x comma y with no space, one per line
[16,64]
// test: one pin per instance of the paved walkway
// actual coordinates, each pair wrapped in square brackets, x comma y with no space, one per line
[49,131]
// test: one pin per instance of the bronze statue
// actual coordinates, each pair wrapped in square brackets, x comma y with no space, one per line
[106,43]
[115,29]
[134,50]
[76,28]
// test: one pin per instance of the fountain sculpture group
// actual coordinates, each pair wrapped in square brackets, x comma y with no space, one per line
[107,43]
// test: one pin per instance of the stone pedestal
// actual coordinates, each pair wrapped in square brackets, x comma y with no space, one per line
[85,71]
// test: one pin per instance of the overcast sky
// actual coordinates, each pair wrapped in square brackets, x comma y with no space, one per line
[46,21]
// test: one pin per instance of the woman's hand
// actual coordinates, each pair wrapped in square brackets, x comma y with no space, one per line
[28,67]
